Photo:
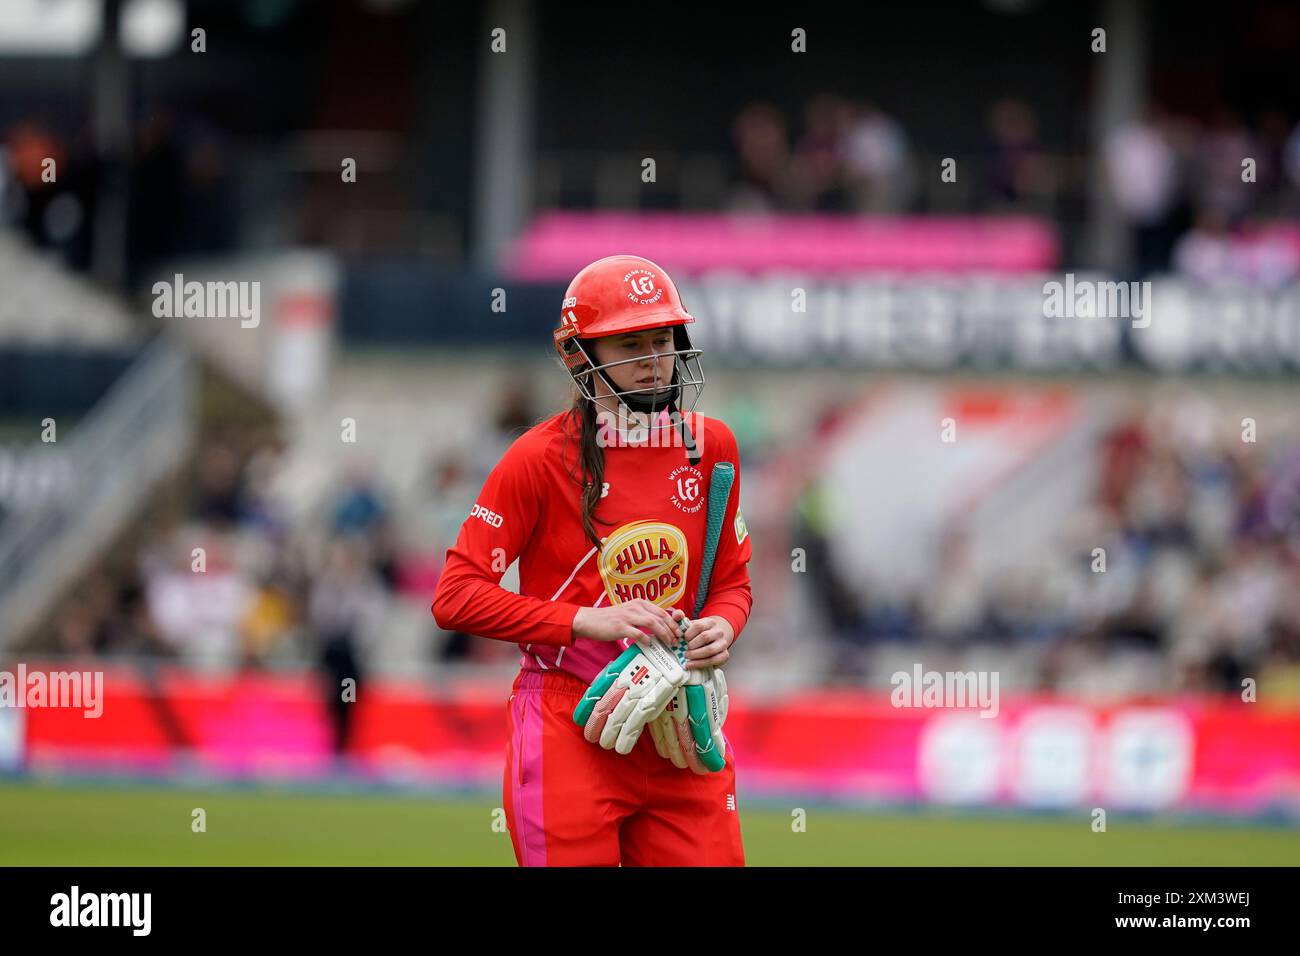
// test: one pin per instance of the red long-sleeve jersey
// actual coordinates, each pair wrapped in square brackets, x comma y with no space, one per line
[650,519]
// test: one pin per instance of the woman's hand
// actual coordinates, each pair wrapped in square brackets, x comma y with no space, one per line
[708,641]
[629,620]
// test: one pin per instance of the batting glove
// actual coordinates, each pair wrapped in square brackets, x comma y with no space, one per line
[630,692]
[689,731]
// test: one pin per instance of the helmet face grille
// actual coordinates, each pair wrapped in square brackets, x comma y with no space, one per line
[682,393]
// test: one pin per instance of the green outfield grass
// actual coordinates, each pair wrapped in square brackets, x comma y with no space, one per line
[44,824]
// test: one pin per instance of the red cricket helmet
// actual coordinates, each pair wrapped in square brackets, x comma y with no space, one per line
[627,294]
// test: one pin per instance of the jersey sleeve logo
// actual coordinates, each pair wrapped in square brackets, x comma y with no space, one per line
[486,514]
[742,532]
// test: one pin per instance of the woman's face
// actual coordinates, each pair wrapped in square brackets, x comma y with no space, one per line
[649,371]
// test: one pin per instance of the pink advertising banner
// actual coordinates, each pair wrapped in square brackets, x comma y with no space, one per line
[558,244]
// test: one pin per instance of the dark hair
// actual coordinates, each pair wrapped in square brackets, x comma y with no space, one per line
[591,461]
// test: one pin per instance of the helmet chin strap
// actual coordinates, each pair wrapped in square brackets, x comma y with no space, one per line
[646,404]
[692,450]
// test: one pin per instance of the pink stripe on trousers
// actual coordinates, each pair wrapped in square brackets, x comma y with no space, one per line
[528,753]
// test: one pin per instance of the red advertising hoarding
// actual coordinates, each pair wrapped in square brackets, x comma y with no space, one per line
[1187,754]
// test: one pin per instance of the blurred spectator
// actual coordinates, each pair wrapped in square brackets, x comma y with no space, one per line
[450,491]
[362,513]
[1142,170]
[156,190]
[271,616]
[208,191]
[31,147]
[1271,138]
[763,156]
[257,507]
[1282,499]
[360,509]
[818,171]
[1123,450]
[1211,253]
[1204,254]
[450,494]
[217,476]
[1291,168]
[344,607]
[48,187]
[1018,173]
[1218,187]
[877,163]
[1279,665]
[199,607]
[953,607]
[842,615]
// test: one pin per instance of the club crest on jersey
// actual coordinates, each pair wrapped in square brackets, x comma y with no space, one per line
[645,560]
[688,488]
[641,287]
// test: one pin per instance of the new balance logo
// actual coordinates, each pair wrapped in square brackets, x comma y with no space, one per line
[731,801]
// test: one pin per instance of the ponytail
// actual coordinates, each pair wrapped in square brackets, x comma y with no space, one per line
[591,461]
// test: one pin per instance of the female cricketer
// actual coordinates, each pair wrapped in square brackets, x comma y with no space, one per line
[604,506]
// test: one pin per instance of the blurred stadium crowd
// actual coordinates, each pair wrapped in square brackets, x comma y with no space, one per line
[1180,575]
[1176,180]
[1200,532]
[278,588]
